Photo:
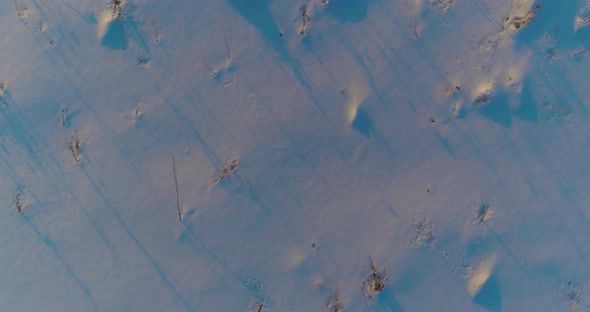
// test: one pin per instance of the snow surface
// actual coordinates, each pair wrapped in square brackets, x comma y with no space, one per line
[443,142]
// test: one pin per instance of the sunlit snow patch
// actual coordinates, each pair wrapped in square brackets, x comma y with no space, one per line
[357,93]
[483,92]
[481,275]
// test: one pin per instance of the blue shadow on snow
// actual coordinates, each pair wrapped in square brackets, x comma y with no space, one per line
[527,110]
[115,37]
[385,302]
[363,123]
[348,11]
[257,13]
[489,296]
[498,110]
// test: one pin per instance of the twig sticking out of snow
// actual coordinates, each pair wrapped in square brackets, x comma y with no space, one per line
[156,29]
[209,68]
[374,283]
[117,6]
[63,117]
[227,169]
[2,88]
[572,295]
[334,302]
[18,12]
[225,40]
[176,187]
[483,213]
[74,146]
[17,202]
[305,19]
[517,20]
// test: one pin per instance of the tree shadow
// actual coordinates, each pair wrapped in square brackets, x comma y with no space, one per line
[257,13]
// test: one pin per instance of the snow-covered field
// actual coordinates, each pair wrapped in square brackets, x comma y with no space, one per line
[341,155]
